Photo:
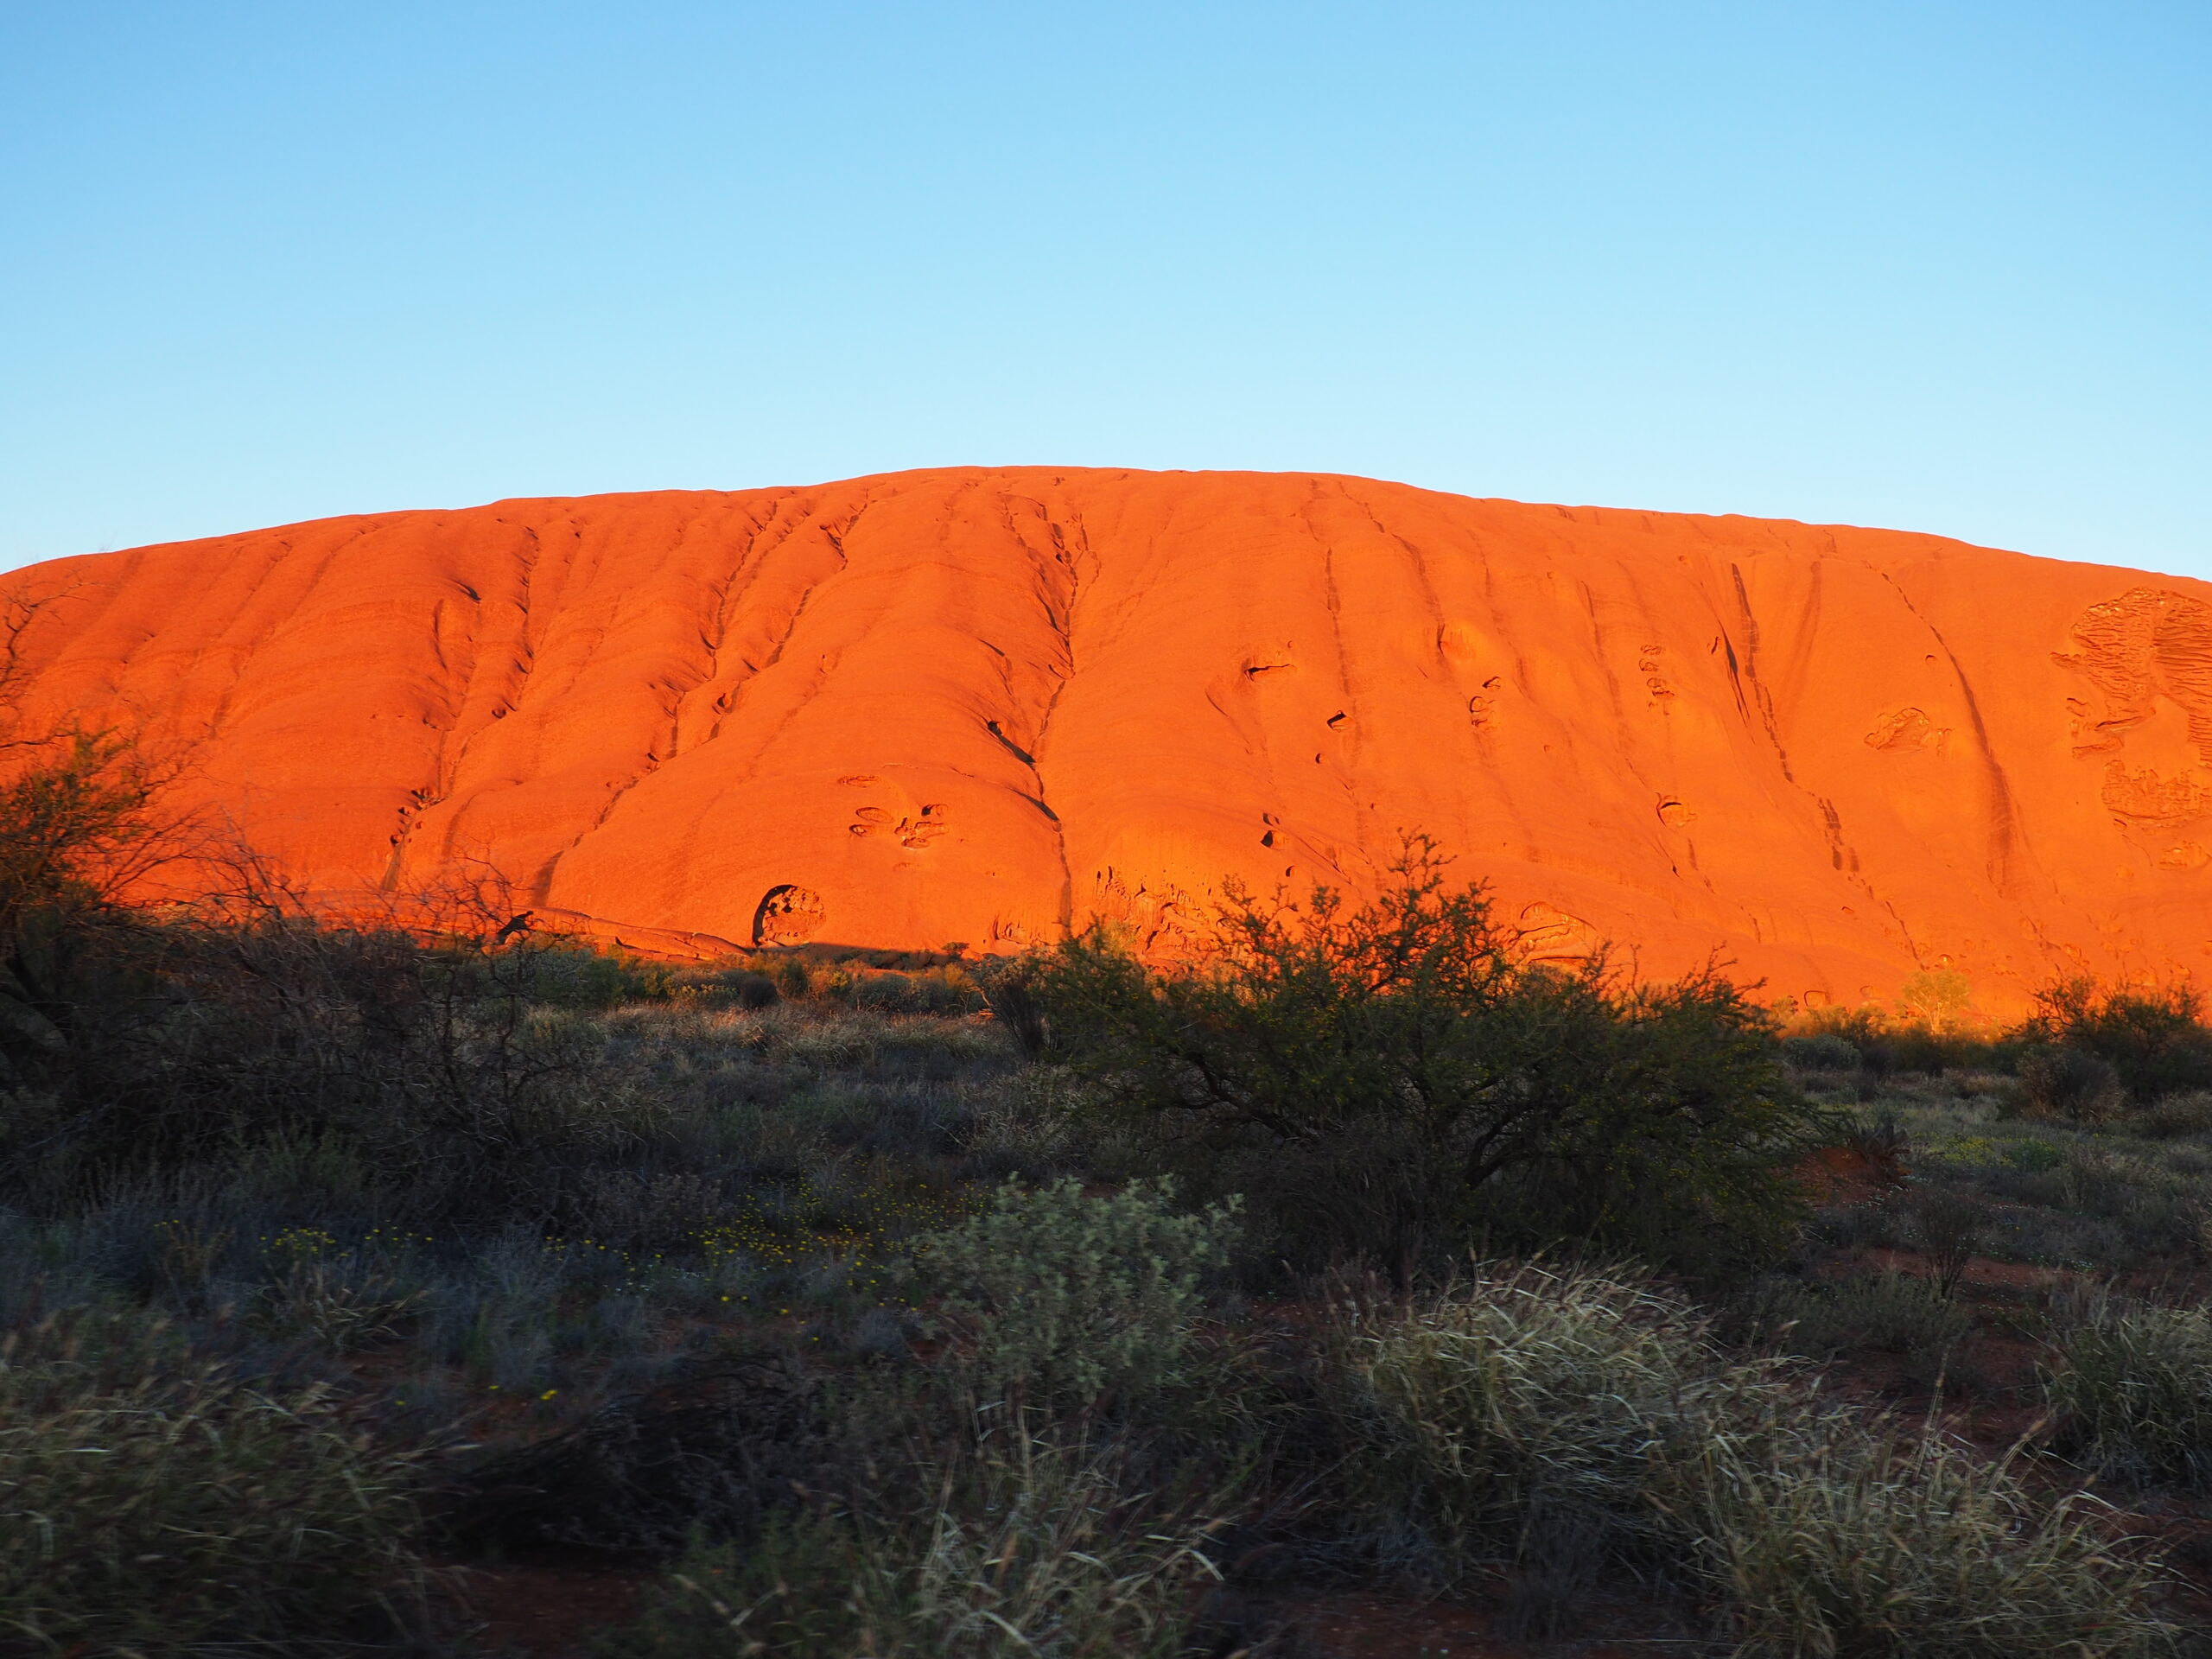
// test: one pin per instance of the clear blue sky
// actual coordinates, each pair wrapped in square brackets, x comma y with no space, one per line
[1940,266]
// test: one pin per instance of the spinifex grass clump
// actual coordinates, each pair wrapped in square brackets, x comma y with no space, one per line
[1019,1546]
[1832,1533]
[1523,1390]
[337,1300]
[151,1506]
[2135,1389]
[1474,1424]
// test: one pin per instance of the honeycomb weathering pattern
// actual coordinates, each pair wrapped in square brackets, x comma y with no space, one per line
[978,704]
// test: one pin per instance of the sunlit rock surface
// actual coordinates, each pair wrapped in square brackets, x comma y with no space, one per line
[979,704]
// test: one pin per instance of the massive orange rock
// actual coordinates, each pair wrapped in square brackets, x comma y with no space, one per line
[982,704]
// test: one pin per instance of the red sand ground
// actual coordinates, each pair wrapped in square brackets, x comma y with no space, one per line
[978,704]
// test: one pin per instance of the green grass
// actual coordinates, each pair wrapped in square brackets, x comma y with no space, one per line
[2134,1390]
[1888,1312]
[151,1505]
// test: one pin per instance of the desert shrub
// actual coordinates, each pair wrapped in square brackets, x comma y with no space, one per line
[898,985]
[1881,1145]
[2152,1208]
[495,1315]
[576,977]
[151,1505]
[430,1063]
[1921,1036]
[886,993]
[79,828]
[1937,1001]
[2175,1115]
[1910,1048]
[1520,1392]
[2034,1156]
[2071,1084]
[1381,1080]
[1068,1296]
[2154,1037]
[231,1022]
[647,1210]
[749,989]
[1035,1549]
[1948,1225]
[1822,1050]
[1473,1426]
[878,1045]
[2135,1391]
[1026,1124]
[1008,989]
[1835,1533]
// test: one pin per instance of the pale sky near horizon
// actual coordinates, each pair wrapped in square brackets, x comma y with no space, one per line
[1933,266]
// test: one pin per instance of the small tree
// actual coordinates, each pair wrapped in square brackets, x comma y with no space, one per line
[1385,1079]
[78,830]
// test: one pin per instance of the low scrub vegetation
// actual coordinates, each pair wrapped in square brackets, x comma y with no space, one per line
[1520,1396]
[1062,1304]
[1063,1296]
[1885,1311]
[2152,1038]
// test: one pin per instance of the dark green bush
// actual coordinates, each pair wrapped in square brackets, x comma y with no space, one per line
[2175,1115]
[78,969]
[1009,990]
[1887,1045]
[1823,1051]
[2154,1037]
[222,1036]
[2070,1083]
[577,976]
[1389,1080]
[1885,1311]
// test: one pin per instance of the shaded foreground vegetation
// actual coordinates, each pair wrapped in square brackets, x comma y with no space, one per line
[1062,1306]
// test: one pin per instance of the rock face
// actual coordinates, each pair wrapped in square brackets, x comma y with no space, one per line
[981,704]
